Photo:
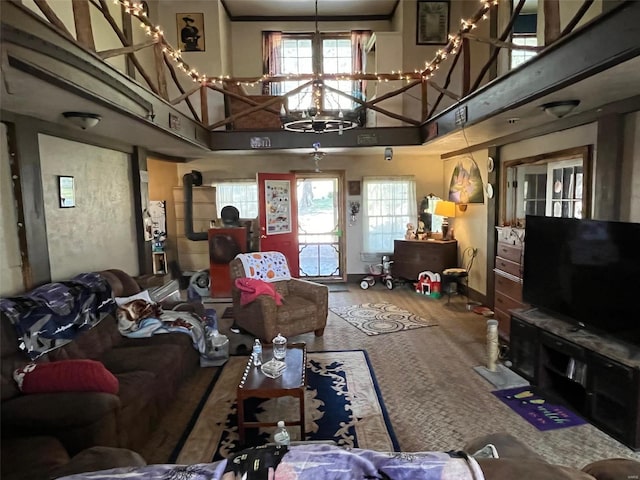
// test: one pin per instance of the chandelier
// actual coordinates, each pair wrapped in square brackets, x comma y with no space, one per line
[315,120]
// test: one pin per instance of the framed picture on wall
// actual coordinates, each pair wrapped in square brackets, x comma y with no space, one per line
[354,187]
[66,191]
[190,31]
[432,22]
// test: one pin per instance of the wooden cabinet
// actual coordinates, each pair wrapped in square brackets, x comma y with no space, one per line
[524,348]
[598,377]
[613,393]
[508,277]
[410,257]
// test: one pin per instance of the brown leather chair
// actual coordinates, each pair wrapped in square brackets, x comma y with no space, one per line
[304,308]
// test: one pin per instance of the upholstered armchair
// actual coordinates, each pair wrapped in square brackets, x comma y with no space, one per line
[304,305]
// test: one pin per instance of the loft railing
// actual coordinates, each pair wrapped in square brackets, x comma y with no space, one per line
[165,61]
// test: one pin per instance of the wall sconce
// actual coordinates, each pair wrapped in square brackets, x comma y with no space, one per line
[355,209]
[462,207]
[561,108]
[388,154]
[82,120]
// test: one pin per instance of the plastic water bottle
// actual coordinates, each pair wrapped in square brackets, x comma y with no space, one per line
[281,435]
[211,320]
[257,353]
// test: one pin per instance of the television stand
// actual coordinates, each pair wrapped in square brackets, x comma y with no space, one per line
[597,376]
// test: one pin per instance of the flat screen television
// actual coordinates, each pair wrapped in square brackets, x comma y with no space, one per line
[587,271]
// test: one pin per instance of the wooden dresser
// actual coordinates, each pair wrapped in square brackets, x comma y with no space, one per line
[508,277]
[410,257]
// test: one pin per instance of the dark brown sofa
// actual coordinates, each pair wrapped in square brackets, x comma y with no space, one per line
[36,458]
[149,371]
[518,461]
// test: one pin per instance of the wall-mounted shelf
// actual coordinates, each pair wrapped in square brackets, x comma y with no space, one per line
[159,263]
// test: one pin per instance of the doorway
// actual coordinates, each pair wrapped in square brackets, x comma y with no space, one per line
[321,223]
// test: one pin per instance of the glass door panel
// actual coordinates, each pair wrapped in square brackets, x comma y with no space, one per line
[320,227]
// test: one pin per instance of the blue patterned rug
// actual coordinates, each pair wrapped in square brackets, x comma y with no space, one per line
[342,403]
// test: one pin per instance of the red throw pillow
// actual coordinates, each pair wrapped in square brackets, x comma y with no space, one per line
[66,376]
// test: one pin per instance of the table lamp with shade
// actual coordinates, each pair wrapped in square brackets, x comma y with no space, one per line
[446,210]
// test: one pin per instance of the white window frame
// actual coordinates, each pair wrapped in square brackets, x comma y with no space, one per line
[237,192]
[518,57]
[329,101]
[389,204]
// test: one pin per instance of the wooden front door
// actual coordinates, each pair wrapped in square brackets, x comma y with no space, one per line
[277,214]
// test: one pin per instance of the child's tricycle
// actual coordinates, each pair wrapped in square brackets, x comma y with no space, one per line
[380,271]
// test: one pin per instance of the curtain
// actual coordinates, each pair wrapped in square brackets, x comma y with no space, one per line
[389,204]
[271,60]
[359,39]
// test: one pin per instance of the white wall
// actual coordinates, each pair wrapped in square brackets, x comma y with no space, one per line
[567,12]
[573,137]
[428,171]
[415,56]
[470,227]
[631,170]
[62,8]
[10,259]
[99,233]
[209,61]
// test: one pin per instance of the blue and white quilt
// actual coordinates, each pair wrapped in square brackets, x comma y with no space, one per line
[52,315]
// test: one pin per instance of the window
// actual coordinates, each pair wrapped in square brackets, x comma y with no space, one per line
[389,203]
[298,54]
[554,184]
[334,56]
[564,187]
[297,58]
[524,33]
[518,57]
[535,193]
[242,194]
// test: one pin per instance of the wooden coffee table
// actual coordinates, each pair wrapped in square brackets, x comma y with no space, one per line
[291,383]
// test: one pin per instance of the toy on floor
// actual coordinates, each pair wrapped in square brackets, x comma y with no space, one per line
[380,271]
[429,284]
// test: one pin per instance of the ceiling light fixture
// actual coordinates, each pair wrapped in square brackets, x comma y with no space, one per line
[83,120]
[561,108]
[314,120]
[317,155]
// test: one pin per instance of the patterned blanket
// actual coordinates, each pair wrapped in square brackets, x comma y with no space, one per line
[265,266]
[140,319]
[52,315]
[310,462]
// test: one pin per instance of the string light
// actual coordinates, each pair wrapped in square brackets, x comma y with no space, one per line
[136,9]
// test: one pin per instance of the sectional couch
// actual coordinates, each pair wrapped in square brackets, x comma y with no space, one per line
[148,372]
[321,461]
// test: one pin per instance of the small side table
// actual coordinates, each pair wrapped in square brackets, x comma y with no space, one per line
[292,383]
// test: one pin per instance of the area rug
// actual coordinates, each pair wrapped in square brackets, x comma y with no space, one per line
[343,404]
[536,410]
[379,318]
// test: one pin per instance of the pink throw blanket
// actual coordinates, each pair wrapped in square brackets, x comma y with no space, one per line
[250,288]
